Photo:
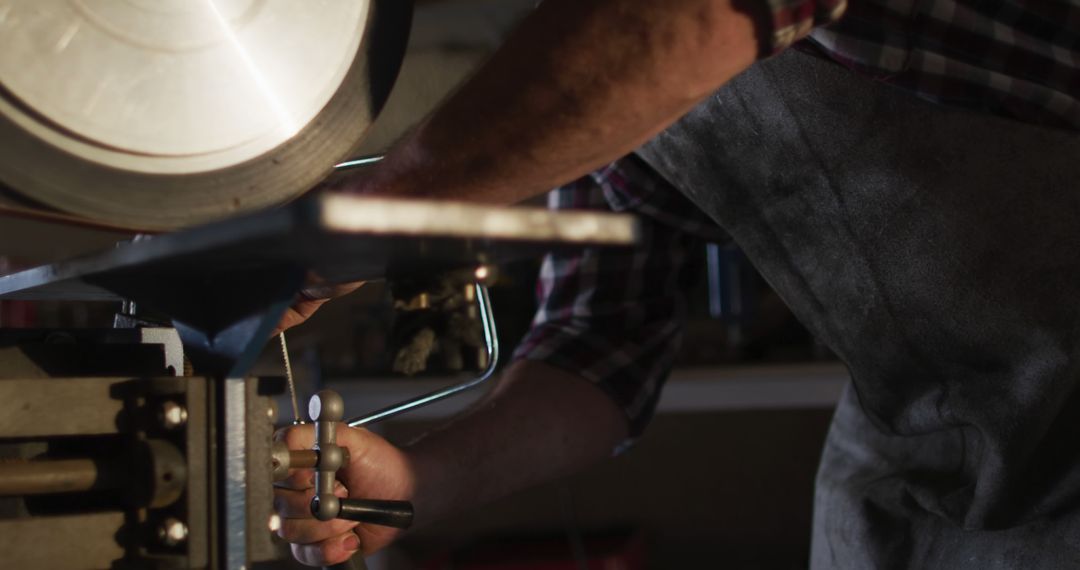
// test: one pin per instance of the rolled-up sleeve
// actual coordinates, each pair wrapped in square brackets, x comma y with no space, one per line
[615,316]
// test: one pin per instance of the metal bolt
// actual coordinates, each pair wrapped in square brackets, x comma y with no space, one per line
[173,415]
[172,532]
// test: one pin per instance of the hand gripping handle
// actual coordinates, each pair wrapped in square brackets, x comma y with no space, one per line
[327,410]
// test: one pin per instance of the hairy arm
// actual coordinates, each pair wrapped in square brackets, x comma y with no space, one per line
[540,423]
[537,412]
[579,84]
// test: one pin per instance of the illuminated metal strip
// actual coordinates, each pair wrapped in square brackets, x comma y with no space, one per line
[235,459]
[358,162]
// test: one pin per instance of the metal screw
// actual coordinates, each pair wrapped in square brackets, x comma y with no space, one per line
[173,415]
[172,532]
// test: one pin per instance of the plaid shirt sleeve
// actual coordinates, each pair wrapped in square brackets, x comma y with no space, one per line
[615,316]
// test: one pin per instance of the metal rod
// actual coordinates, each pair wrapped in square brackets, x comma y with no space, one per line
[43,477]
[398,514]
[357,162]
[303,458]
[284,459]
[289,378]
[491,342]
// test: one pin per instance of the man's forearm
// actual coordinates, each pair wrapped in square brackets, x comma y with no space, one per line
[540,424]
[579,84]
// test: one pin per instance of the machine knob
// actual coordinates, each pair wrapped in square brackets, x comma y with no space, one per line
[327,410]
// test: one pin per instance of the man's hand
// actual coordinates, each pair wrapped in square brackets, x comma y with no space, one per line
[539,423]
[376,470]
[310,299]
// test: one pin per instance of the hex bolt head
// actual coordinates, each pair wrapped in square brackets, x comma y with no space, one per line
[172,532]
[172,415]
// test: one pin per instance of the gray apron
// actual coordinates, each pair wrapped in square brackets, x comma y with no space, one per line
[937,251]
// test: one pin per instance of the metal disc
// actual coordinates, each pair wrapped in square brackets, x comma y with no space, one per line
[157,114]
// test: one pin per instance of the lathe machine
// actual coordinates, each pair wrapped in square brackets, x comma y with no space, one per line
[202,125]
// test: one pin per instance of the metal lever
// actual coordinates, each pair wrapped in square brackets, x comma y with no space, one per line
[398,514]
[327,410]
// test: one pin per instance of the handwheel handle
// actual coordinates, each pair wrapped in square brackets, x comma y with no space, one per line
[398,514]
[327,409]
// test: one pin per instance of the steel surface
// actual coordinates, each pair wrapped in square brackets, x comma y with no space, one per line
[168,113]
[59,407]
[42,477]
[89,541]
[235,507]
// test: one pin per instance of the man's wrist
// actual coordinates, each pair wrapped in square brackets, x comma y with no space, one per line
[431,489]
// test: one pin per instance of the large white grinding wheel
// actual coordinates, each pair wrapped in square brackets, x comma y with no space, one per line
[156,114]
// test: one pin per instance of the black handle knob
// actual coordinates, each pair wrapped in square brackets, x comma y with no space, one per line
[398,514]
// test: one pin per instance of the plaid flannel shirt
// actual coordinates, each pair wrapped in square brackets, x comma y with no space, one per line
[615,316]
[1015,58]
